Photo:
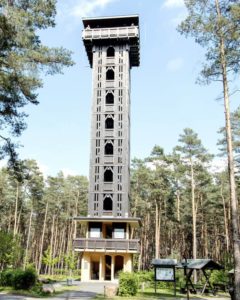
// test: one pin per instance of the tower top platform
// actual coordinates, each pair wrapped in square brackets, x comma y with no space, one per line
[110,31]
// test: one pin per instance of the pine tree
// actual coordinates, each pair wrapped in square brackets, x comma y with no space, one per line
[215,26]
[23,58]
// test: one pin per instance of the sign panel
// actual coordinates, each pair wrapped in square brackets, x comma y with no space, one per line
[165,274]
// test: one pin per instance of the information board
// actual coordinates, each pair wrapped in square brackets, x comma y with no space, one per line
[165,273]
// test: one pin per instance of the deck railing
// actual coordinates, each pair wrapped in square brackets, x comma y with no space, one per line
[113,32]
[106,244]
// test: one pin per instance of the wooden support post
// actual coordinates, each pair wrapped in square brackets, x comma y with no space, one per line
[112,268]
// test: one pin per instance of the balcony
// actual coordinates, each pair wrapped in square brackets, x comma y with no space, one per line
[110,33]
[106,245]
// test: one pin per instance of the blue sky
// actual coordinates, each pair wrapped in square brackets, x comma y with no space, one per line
[165,98]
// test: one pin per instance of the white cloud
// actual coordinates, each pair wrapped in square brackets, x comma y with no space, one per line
[173,3]
[3,163]
[175,64]
[179,18]
[86,8]
[67,172]
[43,168]
[218,165]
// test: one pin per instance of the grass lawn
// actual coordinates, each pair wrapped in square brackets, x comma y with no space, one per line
[163,294]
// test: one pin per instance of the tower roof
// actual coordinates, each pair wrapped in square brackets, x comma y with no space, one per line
[111,21]
[112,30]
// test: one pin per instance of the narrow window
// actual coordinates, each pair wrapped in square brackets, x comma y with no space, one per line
[110,52]
[107,203]
[110,74]
[109,149]
[108,176]
[109,123]
[109,98]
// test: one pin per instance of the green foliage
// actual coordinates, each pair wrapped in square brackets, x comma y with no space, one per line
[70,260]
[6,278]
[10,250]
[19,279]
[48,259]
[219,277]
[145,276]
[24,280]
[208,28]
[22,59]
[128,284]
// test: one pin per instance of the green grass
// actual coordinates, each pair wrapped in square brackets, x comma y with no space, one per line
[59,277]
[161,294]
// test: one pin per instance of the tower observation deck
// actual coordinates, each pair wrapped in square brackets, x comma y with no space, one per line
[112,46]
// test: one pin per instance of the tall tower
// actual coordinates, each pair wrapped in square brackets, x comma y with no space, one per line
[112,46]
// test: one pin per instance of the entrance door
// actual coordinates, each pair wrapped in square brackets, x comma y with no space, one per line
[118,265]
[109,231]
[108,263]
[95,270]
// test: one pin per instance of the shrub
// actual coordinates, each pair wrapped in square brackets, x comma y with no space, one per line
[24,279]
[6,278]
[219,277]
[128,284]
[145,276]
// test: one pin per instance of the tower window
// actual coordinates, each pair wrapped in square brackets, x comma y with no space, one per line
[110,74]
[110,52]
[109,123]
[108,175]
[107,203]
[109,149]
[109,98]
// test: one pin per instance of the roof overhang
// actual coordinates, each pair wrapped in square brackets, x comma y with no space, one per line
[134,222]
[111,21]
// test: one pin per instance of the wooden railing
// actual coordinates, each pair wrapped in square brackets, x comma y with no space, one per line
[106,244]
[113,32]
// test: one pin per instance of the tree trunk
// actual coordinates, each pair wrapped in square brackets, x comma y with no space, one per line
[157,231]
[50,267]
[194,219]
[16,209]
[42,240]
[178,205]
[234,201]
[28,239]
[225,221]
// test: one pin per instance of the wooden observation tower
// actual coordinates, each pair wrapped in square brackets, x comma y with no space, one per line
[112,46]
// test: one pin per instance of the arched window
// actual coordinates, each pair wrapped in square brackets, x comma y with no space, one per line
[109,123]
[108,149]
[110,52]
[107,203]
[109,98]
[108,175]
[110,74]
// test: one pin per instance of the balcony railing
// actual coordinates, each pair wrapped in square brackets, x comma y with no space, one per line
[113,32]
[83,244]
